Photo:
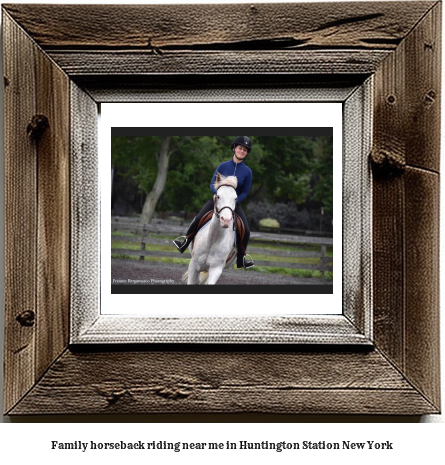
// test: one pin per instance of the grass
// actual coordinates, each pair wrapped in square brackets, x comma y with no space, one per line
[137,246]
[294,248]
[259,256]
[152,247]
[259,269]
[178,261]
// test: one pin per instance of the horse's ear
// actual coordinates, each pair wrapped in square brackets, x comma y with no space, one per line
[218,178]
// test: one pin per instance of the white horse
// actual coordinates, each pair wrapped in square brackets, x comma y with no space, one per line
[215,242]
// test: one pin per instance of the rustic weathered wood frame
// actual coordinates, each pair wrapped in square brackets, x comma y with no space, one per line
[78,56]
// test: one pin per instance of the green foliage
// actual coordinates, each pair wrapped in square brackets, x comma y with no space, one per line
[285,169]
[297,169]
[323,172]
[135,157]
[286,162]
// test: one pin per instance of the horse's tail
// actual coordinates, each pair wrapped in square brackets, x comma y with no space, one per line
[203,277]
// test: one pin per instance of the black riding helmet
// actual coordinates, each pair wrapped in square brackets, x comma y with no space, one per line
[244,141]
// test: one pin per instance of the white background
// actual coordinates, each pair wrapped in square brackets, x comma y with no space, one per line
[29,443]
[255,115]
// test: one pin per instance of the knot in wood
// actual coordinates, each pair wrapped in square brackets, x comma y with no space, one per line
[26,318]
[114,397]
[37,126]
[430,97]
[172,393]
[387,163]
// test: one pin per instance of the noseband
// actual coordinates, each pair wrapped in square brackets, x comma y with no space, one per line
[218,212]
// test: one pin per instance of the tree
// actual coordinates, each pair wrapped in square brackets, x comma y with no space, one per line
[135,164]
[175,171]
[322,168]
[193,165]
[145,160]
[286,167]
[162,158]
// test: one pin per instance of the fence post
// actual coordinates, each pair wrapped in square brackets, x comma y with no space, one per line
[322,258]
[144,235]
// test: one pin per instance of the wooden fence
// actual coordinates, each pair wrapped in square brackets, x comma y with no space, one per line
[143,232]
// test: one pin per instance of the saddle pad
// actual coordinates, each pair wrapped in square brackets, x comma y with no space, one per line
[205,219]
[239,225]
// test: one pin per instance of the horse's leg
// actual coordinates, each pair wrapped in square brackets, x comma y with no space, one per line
[214,274]
[193,277]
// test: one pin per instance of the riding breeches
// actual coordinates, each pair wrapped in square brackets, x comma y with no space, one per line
[209,206]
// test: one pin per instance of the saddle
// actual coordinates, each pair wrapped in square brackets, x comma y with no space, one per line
[239,227]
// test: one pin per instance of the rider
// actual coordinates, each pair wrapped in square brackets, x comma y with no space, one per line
[241,146]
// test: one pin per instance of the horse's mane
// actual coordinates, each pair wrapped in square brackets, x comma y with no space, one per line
[225,180]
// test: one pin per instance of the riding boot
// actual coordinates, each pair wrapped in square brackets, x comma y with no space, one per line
[182,245]
[244,261]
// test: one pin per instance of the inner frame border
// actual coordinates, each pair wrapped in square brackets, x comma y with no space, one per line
[354,326]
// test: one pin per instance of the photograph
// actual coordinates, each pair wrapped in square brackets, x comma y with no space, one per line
[259,203]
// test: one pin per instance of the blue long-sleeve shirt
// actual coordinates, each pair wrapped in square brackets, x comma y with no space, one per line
[241,171]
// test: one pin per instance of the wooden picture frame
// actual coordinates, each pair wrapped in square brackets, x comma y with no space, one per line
[59,68]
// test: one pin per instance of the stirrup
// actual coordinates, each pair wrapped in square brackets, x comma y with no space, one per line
[248,263]
[181,245]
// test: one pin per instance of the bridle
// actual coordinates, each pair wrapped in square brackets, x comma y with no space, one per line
[218,212]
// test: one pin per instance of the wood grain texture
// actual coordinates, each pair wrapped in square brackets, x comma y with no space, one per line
[218,88]
[422,281]
[274,26]
[388,268]
[406,222]
[223,382]
[236,331]
[20,213]
[119,63]
[38,234]
[84,204]
[407,113]
[53,230]
[388,201]
[207,39]
[357,209]
[423,91]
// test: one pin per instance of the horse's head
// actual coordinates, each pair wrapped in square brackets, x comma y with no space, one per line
[225,201]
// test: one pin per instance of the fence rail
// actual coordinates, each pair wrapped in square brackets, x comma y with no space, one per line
[142,230]
[181,221]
